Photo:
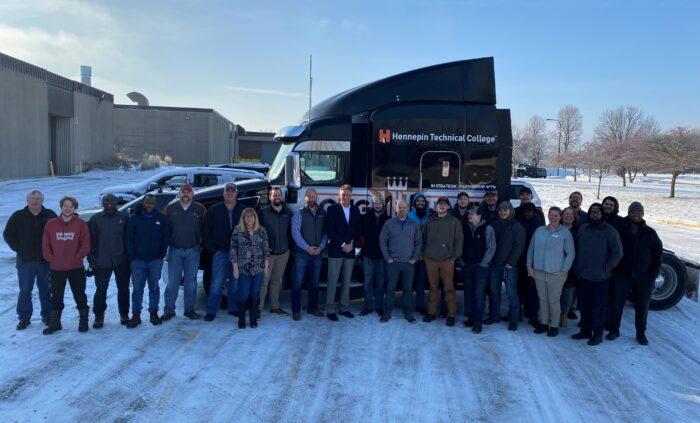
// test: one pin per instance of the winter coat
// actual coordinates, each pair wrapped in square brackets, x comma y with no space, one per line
[519,215]
[510,241]
[442,238]
[530,226]
[421,221]
[642,250]
[65,244]
[185,225]
[24,233]
[107,246]
[218,226]
[400,241]
[488,215]
[598,250]
[278,225]
[370,228]
[340,231]
[551,251]
[147,236]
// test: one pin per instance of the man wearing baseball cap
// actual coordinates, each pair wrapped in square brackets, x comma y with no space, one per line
[186,220]
[489,207]
[442,245]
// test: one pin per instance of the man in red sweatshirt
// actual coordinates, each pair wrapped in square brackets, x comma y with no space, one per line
[65,244]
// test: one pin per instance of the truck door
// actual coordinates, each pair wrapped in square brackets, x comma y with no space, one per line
[440,170]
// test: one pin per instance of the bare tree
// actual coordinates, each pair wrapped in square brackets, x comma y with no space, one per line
[620,130]
[569,129]
[532,143]
[676,151]
[597,159]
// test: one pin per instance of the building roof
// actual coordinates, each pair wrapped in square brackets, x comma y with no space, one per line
[34,71]
[167,108]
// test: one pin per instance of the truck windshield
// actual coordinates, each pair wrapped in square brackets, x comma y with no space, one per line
[278,164]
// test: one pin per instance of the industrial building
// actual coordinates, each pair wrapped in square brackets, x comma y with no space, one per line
[256,146]
[52,123]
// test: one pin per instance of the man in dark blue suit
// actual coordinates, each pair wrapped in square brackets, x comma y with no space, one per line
[342,228]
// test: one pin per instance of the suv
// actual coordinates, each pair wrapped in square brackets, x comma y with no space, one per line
[199,177]
[524,170]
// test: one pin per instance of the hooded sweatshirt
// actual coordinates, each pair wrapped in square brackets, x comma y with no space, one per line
[66,244]
[613,219]
[422,221]
[24,233]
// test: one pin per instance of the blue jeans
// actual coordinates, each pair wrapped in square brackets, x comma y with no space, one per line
[305,265]
[27,273]
[182,261]
[394,272]
[475,279]
[500,275]
[141,271]
[249,291]
[374,272]
[222,271]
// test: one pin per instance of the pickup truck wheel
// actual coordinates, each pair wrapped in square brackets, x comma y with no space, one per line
[670,285]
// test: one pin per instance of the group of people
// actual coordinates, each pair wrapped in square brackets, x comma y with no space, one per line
[596,259]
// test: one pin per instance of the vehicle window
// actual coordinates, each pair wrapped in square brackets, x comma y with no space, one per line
[175,180]
[515,192]
[322,167]
[205,180]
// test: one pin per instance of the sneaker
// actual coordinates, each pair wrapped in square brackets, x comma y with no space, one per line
[450,321]
[541,329]
[279,311]
[421,310]
[476,328]
[571,315]
[612,335]
[410,319]
[365,311]
[428,318]
[552,332]
[167,316]
[318,313]
[468,323]
[581,335]
[332,317]
[296,316]
[512,326]
[192,315]
[347,314]
[209,317]
[22,324]
[385,318]
[642,338]
[595,341]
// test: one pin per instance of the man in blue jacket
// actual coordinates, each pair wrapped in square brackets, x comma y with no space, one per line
[342,227]
[147,238]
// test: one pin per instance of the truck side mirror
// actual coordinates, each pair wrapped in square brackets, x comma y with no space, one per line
[152,186]
[292,171]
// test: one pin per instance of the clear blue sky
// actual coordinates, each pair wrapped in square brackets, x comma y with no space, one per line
[249,60]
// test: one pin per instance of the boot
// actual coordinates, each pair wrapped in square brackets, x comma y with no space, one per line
[135,320]
[564,321]
[99,321]
[83,323]
[155,320]
[124,318]
[241,315]
[55,323]
[253,316]
[642,338]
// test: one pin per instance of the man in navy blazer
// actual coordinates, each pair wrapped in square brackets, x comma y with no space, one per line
[342,228]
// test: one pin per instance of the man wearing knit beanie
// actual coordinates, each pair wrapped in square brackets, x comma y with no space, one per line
[641,263]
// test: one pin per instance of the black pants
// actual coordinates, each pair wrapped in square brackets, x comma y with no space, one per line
[527,293]
[638,289]
[592,297]
[76,278]
[122,274]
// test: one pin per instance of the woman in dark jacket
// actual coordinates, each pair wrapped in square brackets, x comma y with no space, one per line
[250,255]
[569,220]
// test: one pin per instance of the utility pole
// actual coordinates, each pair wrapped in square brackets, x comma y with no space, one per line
[559,143]
[310,80]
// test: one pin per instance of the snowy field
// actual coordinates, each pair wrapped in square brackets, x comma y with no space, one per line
[354,370]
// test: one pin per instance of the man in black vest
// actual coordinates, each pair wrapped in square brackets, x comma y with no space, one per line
[23,233]
[479,248]
[342,227]
[640,265]
[310,238]
[107,255]
[277,221]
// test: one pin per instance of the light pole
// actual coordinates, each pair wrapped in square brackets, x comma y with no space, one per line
[559,143]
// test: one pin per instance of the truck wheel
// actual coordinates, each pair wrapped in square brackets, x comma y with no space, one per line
[670,285]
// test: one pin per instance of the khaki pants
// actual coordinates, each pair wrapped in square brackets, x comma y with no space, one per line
[441,270]
[549,287]
[338,268]
[277,265]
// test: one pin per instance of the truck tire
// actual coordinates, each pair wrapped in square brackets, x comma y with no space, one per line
[670,284]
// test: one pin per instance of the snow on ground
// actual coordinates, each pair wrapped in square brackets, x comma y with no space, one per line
[317,370]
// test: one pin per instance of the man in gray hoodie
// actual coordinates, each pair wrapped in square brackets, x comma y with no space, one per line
[598,250]
[510,243]
[400,243]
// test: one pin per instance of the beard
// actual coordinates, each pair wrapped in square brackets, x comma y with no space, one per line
[276,202]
